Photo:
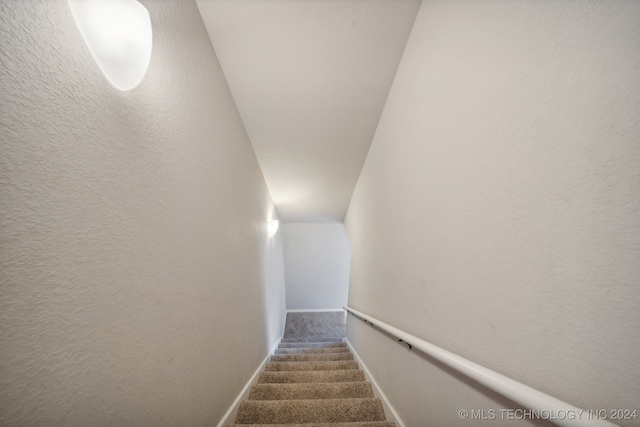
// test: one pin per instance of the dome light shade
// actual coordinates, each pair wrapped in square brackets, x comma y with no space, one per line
[273,227]
[118,34]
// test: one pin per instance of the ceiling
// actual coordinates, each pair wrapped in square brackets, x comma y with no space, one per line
[310,79]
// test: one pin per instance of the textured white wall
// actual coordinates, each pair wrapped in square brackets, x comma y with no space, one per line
[498,211]
[316,263]
[138,285]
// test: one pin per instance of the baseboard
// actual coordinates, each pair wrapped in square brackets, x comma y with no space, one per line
[314,310]
[231,413]
[389,411]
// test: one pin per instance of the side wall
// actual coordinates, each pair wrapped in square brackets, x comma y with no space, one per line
[497,214]
[316,262]
[138,285]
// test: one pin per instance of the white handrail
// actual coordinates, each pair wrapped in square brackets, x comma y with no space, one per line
[551,409]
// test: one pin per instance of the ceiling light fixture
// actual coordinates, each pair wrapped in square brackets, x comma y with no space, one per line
[273,227]
[118,34]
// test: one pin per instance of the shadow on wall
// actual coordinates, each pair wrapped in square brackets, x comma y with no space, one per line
[316,263]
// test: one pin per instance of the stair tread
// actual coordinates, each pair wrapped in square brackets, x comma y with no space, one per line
[299,391]
[322,365]
[312,350]
[317,357]
[309,411]
[354,424]
[313,339]
[351,375]
[311,344]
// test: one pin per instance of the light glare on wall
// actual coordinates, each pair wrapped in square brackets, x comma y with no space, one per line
[118,34]
[273,227]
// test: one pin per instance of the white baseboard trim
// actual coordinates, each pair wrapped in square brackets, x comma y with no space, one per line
[314,310]
[389,410]
[232,412]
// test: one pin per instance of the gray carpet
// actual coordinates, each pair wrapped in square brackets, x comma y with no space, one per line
[323,324]
[312,380]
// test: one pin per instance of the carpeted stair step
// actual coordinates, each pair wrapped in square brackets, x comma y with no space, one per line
[351,375]
[312,380]
[312,350]
[305,391]
[311,344]
[340,365]
[357,424]
[310,411]
[312,339]
[311,357]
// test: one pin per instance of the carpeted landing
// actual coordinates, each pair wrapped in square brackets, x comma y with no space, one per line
[312,382]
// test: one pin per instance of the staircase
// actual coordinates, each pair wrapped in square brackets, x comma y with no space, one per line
[312,381]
